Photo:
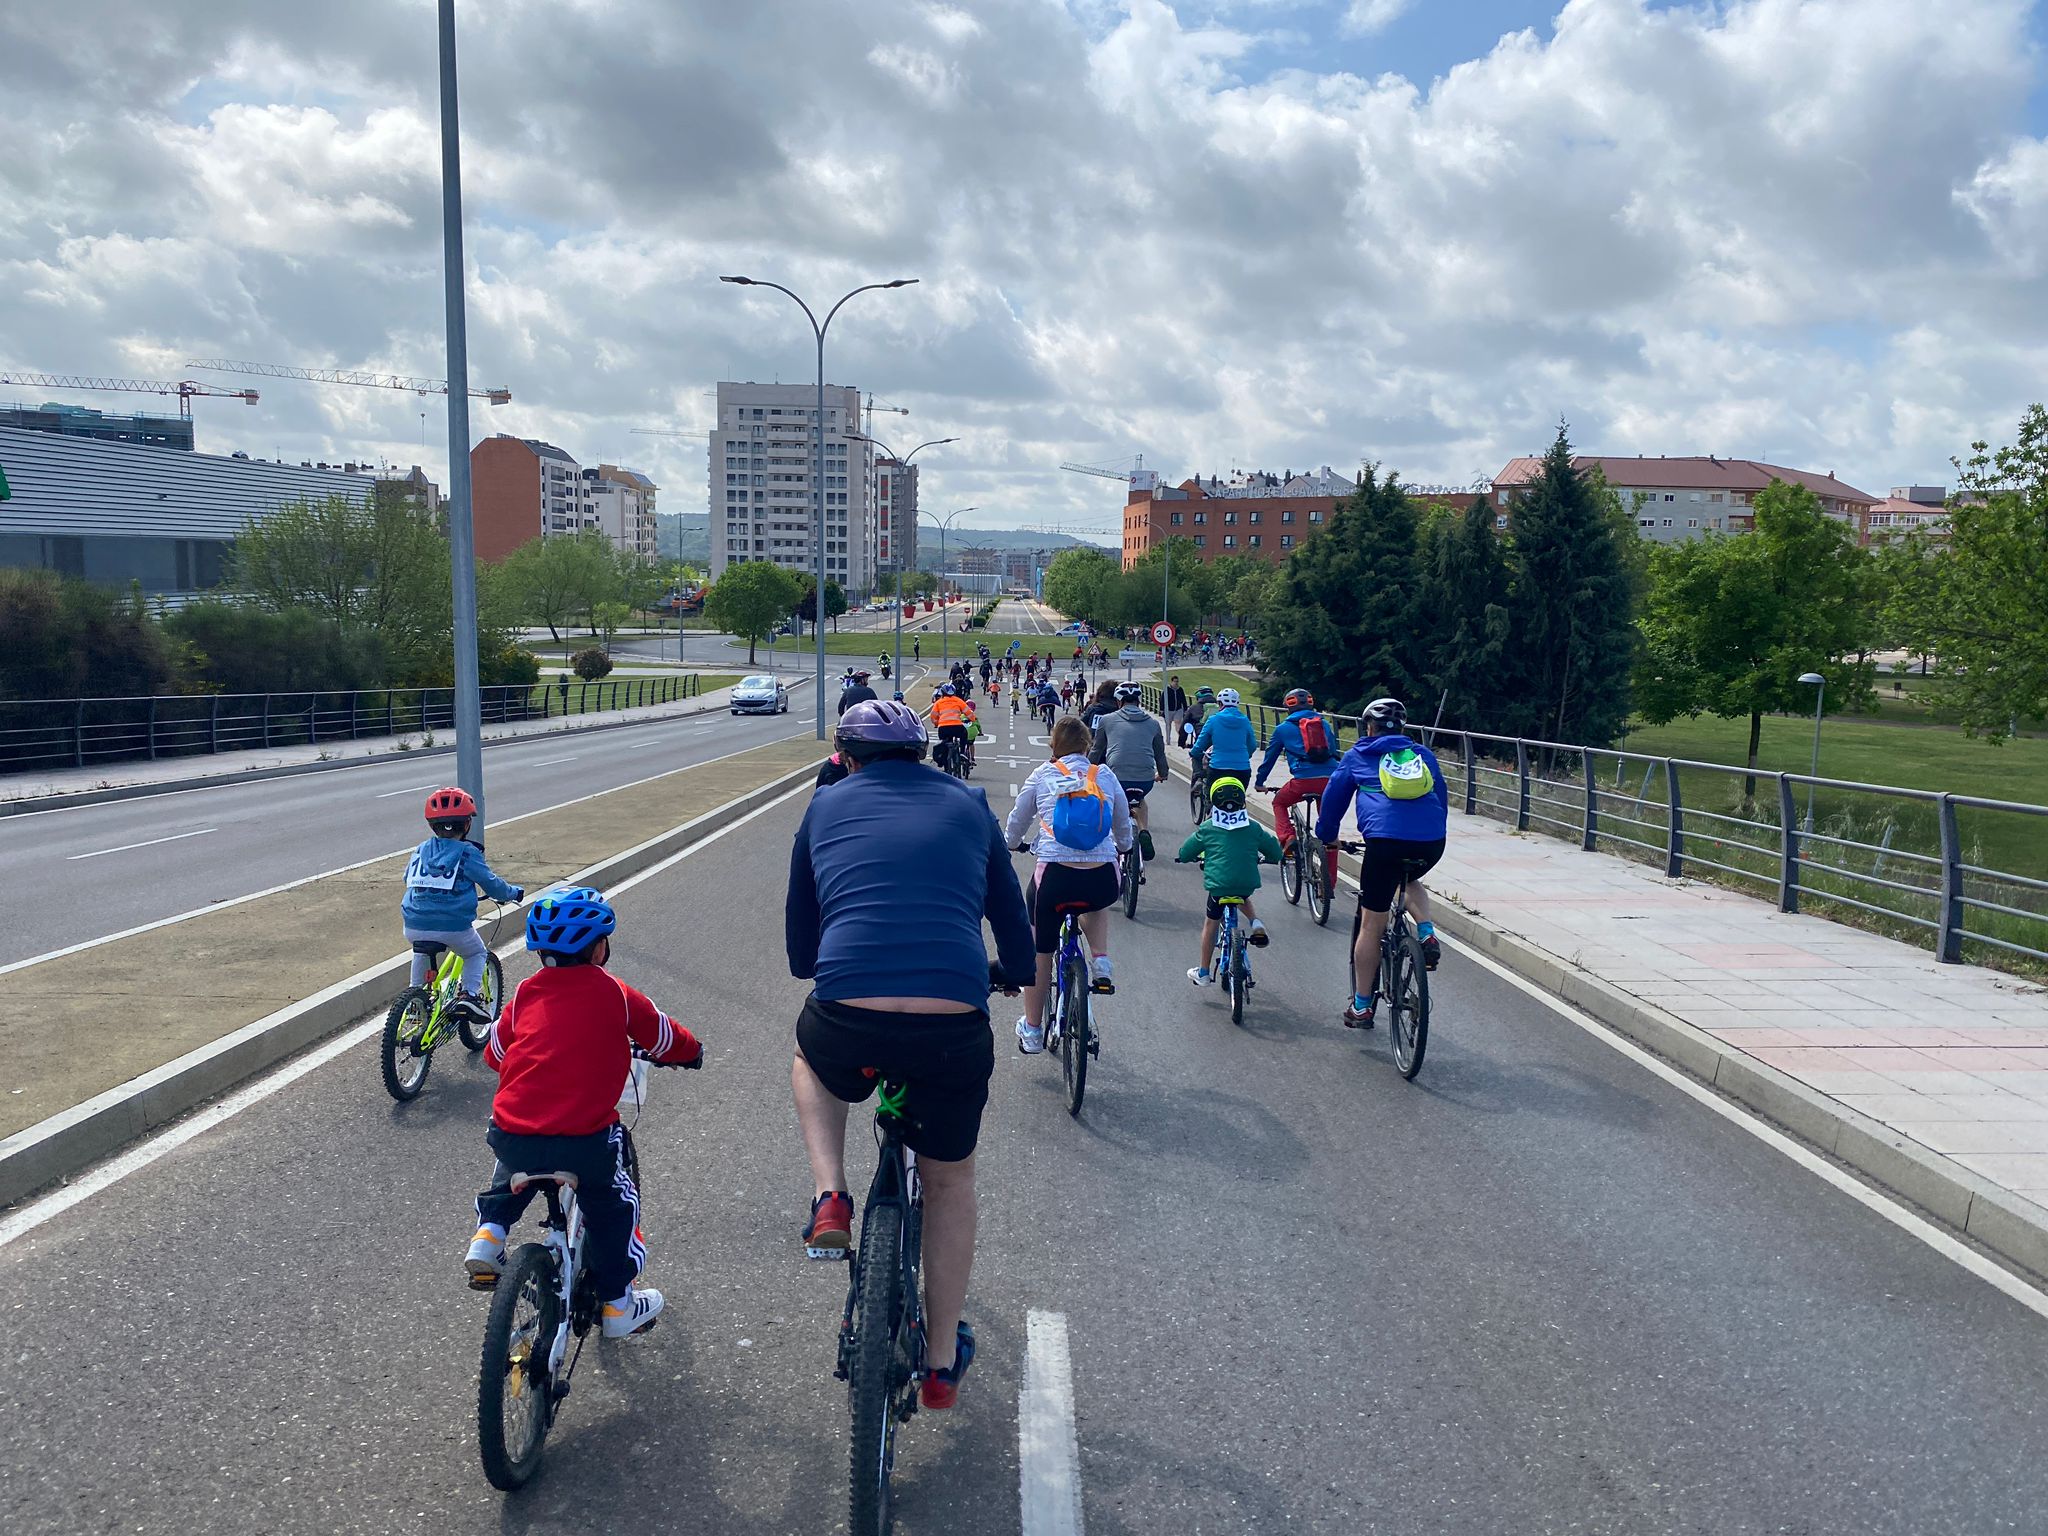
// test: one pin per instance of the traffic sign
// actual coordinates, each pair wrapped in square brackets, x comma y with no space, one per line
[1162,633]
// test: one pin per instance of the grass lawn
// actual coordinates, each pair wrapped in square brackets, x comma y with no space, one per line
[628,693]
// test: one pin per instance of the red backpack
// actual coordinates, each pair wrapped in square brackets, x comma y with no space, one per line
[1315,738]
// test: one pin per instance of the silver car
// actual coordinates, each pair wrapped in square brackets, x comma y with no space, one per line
[761,695]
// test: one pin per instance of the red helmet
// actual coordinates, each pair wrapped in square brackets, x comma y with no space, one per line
[450,804]
[1300,698]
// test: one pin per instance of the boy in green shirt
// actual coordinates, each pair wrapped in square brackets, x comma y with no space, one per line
[1231,847]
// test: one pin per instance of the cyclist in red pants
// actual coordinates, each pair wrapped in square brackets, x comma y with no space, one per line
[1310,741]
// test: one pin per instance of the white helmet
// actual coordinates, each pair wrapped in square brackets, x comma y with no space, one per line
[1227,698]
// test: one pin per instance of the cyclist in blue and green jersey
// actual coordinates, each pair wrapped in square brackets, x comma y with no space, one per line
[1227,740]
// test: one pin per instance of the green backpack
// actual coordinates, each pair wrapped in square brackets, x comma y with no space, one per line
[1404,775]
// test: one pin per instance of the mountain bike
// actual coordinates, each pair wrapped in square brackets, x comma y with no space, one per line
[543,1300]
[419,1018]
[950,756]
[1231,962]
[1131,867]
[1305,868]
[1403,976]
[1069,1024]
[1198,792]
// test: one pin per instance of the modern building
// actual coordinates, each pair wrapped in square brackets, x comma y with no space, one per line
[763,454]
[1258,514]
[1682,498]
[413,486]
[123,514]
[522,489]
[147,431]
[895,515]
[620,505]
[1909,509]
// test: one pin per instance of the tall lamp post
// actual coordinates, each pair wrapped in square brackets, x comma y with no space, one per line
[945,628]
[818,328]
[904,459]
[1819,684]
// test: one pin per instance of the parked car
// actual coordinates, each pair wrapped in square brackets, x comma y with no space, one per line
[761,695]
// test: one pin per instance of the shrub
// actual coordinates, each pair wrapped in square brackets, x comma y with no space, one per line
[240,648]
[508,667]
[62,638]
[590,663]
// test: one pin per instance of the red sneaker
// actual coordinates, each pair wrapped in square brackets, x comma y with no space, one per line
[941,1389]
[830,1232]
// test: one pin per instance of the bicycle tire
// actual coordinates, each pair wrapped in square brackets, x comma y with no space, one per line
[507,1361]
[1314,862]
[476,1034]
[1238,977]
[1134,867]
[1408,1005]
[402,1085]
[1074,1031]
[871,1383]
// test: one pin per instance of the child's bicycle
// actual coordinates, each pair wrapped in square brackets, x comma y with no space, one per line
[419,1019]
[1403,977]
[542,1301]
[1069,1019]
[1231,962]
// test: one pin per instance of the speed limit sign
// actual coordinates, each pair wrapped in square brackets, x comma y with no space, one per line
[1162,633]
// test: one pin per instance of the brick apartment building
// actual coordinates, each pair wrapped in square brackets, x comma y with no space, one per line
[1683,498]
[522,489]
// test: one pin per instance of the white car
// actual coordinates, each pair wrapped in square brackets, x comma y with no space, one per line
[761,695]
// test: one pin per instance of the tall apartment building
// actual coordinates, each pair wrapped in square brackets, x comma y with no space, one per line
[1682,498]
[620,505]
[522,489]
[763,454]
[895,515]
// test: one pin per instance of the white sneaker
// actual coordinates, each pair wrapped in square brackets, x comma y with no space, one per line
[1258,936]
[632,1313]
[1030,1041]
[1198,976]
[485,1261]
[1102,974]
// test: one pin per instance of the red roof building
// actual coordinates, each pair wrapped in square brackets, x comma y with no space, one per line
[1683,498]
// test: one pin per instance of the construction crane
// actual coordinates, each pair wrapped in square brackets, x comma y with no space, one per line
[695,436]
[184,389]
[347,376]
[1138,477]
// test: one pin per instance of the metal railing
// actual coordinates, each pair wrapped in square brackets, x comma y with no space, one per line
[1911,863]
[75,733]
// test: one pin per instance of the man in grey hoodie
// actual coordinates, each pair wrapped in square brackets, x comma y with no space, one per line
[1132,745]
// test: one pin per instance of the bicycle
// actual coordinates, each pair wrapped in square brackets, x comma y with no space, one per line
[1131,868]
[417,1023]
[542,1301]
[950,757]
[1403,975]
[1069,1021]
[1230,962]
[1305,867]
[1198,792]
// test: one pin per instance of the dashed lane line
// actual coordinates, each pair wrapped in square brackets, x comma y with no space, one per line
[146,843]
[1048,1448]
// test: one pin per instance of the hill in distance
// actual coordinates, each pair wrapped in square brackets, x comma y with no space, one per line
[687,536]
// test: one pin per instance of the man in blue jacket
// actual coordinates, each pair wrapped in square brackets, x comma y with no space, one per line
[1228,739]
[1403,815]
[1312,746]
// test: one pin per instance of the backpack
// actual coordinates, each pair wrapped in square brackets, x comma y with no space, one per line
[1404,775]
[1082,814]
[1315,739]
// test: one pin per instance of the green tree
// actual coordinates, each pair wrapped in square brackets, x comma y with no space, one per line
[750,599]
[554,581]
[1467,588]
[241,648]
[806,604]
[1574,607]
[1734,620]
[67,639]
[606,620]
[1080,582]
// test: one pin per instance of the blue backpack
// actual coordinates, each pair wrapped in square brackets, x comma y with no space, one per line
[1082,814]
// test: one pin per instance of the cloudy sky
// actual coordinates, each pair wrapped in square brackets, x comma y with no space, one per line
[1258,233]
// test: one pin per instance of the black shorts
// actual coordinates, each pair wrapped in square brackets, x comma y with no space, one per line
[944,1060]
[1387,862]
[1214,910]
[1091,887]
[1136,792]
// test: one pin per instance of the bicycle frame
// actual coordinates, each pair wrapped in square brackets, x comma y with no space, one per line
[895,1183]
[1071,948]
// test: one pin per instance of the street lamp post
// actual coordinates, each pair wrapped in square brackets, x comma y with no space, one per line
[893,543]
[818,475]
[1820,686]
[945,629]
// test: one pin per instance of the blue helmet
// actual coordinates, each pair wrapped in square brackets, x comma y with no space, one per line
[569,922]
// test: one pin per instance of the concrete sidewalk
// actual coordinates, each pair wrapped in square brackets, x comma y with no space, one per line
[184,771]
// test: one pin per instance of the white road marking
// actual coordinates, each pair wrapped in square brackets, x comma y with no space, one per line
[1048,1450]
[149,843]
[549,762]
[410,789]
[140,1156]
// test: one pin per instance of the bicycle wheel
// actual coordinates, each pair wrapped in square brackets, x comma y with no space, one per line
[1076,1037]
[1196,806]
[514,1392]
[1314,863]
[1408,1003]
[404,1063]
[476,1033]
[1239,978]
[1290,871]
[871,1383]
[1133,867]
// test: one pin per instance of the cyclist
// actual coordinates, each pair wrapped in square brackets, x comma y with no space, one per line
[1078,822]
[562,1050]
[1403,815]
[950,714]
[439,905]
[1228,739]
[1231,846]
[1048,701]
[1133,746]
[917,1016]
[1016,696]
[855,691]
[1199,709]
[1103,701]
[1311,743]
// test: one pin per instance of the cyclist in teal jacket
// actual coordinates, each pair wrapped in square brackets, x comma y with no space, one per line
[1228,739]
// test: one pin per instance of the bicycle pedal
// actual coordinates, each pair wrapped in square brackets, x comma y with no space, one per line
[830,1255]
[1095,1046]
[1103,988]
[484,1282]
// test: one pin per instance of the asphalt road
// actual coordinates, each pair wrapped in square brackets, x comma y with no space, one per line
[1536,1291]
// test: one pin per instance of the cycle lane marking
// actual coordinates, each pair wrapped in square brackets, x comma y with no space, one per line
[146,843]
[1048,1447]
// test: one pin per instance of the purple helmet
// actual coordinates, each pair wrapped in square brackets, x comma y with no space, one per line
[875,726]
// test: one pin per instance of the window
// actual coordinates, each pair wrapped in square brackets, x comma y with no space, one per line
[1500,521]
[1230,517]
[1287,541]
[1713,496]
[1667,521]
[1315,517]
[1668,496]
[1503,495]
[1255,539]
[1692,522]
[1201,539]
[1286,517]
[1230,541]
[1646,522]
[1201,517]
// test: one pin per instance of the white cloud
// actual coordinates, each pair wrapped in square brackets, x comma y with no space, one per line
[1362,18]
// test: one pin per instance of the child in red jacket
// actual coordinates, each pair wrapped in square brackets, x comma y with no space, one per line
[562,1049]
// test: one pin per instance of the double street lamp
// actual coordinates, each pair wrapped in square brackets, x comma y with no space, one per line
[1820,684]
[945,625]
[896,544]
[819,328]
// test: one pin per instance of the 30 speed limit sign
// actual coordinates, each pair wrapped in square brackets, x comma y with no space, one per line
[1162,633]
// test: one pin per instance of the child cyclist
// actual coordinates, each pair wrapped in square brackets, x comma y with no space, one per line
[439,905]
[562,1050]
[1231,847]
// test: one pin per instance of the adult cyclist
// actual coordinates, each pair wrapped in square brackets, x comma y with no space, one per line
[1199,709]
[1310,741]
[1131,744]
[1228,739]
[1403,815]
[950,714]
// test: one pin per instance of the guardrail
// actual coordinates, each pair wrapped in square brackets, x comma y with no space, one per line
[73,733]
[1911,863]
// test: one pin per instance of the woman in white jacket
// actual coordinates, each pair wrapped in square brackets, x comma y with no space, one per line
[1066,876]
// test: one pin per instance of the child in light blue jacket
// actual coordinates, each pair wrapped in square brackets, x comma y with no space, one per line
[441,881]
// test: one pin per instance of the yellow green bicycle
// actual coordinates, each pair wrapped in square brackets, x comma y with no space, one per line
[422,1018]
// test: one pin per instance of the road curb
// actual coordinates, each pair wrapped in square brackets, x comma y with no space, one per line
[66,800]
[66,1143]
[2011,1227]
